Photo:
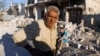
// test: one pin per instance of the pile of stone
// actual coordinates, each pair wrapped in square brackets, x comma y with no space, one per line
[83,41]
[18,22]
[21,21]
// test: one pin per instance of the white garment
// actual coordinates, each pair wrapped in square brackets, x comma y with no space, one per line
[45,39]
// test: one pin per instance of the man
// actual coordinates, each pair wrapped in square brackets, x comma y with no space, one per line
[43,33]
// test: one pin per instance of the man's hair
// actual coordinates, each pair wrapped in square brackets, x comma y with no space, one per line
[53,8]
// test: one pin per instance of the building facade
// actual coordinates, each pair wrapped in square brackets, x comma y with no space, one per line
[71,10]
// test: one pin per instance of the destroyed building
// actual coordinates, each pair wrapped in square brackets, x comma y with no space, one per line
[74,8]
[71,10]
[85,12]
[16,9]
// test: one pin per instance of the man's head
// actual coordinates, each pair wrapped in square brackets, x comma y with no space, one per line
[52,16]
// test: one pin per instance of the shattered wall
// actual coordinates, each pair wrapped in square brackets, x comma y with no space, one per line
[92,13]
[93,6]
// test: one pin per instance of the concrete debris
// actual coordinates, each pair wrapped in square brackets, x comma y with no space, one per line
[18,22]
[82,40]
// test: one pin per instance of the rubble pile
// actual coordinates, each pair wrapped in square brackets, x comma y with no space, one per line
[83,41]
[18,22]
[22,22]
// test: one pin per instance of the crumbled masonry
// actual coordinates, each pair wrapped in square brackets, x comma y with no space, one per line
[83,41]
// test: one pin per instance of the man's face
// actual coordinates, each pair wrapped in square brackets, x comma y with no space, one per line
[52,18]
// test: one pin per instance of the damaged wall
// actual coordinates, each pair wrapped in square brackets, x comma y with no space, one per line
[92,13]
[93,6]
